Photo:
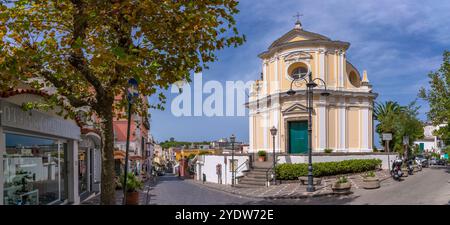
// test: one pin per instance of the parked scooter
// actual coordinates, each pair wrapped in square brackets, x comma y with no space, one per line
[418,164]
[396,171]
[410,167]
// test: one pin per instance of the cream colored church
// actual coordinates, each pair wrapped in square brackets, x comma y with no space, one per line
[341,121]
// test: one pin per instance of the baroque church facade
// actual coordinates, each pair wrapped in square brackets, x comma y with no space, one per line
[342,121]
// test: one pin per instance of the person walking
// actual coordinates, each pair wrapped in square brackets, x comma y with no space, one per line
[219,173]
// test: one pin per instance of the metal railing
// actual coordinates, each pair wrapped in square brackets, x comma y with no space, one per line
[271,169]
[237,168]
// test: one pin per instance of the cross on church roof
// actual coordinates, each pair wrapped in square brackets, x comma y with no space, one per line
[298,17]
[298,24]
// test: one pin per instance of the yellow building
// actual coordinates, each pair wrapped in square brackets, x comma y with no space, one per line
[342,121]
[179,154]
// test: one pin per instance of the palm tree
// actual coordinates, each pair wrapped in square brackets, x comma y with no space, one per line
[384,109]
[386,114]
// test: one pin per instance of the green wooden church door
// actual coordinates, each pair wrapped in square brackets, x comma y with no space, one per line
[298,137]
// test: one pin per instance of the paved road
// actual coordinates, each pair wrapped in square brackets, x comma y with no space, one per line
[171,190]
[431,186]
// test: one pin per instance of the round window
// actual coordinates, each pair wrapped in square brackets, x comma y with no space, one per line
[298,70]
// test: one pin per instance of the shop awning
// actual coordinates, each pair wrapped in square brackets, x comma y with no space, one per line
[135,157]
[119,154]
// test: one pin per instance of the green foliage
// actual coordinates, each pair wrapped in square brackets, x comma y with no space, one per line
[369,174]
[328,150]
[262,153]
[133,182]
[289,171]
[342,180]
[438,97]
[179,144]
[86,51]
[191,156]
[398,120]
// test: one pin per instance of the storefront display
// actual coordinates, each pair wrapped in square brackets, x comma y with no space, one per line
[34,170]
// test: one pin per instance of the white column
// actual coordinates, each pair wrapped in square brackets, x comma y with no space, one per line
[72,151]
[326,68]
[250,135]
[275,83]
[276,124]
[341,69]
[266,130]
[2,151]
[265,78]
[322,64]
[365,129]
[322,126]
[316,65]
[342,127]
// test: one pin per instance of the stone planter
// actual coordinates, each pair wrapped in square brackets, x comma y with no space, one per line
[261,158]
[132,198]
[304,180]
[341,188]
[371,183]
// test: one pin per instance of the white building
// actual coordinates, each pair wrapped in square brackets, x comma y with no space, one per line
[430,143]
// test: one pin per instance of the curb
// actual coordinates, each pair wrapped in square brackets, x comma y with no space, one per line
[294,196]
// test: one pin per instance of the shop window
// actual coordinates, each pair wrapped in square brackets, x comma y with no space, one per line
[34,171]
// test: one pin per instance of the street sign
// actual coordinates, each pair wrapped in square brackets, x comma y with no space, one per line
[387,136]
[405,140]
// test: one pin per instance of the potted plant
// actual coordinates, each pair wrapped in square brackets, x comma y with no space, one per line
[342,185]
[261,156]
[134,184]
[371,181]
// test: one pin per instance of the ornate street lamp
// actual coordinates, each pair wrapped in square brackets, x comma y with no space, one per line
[310,84]
[132,92]
[232,139]
[273,131]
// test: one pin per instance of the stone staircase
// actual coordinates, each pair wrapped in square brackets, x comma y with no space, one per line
[256,177]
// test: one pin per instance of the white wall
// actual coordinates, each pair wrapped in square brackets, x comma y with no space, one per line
[207,165]
[428,145]
[333,158]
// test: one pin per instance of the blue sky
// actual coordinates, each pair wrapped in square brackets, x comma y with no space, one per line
[398,42]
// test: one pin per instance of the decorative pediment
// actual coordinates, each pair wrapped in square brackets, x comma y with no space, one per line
[298,35]
[295,108]
[297,56]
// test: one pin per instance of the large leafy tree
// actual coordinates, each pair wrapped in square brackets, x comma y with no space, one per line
[400,121]
[86,50]
[438,97]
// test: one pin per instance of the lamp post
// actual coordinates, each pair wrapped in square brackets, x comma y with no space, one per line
[132,92]
[310,84]
[232,139]
[273,131]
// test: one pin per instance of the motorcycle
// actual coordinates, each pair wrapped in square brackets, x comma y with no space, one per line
[410,167]
[396,171]
[419,164]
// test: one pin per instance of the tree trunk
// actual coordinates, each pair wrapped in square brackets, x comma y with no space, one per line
[108,185]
